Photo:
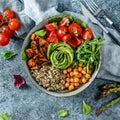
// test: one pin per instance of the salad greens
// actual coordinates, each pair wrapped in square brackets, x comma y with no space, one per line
[41,32]
[7,54]
[4,116]
[88,53]
[23,55]
[86,109]
[63,113]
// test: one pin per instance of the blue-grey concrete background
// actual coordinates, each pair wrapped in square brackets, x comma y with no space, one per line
[29,103]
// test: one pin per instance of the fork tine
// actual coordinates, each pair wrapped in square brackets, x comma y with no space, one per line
[94,4]
[90,5]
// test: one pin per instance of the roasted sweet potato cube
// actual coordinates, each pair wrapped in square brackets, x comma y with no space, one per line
[31,63]
[29,52]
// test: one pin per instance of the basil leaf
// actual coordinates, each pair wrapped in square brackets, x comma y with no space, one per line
[62,113]
[86,109]
[23,55]
[4,116]
[7,54]
[40,32]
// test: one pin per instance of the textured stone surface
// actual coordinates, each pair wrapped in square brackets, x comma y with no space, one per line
[29,103]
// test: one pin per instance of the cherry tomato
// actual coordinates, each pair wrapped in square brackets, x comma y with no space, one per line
[66,37]
[53,33]
[72,43]
[52,39]
[75,29]
[87,34]
[64,21]
[14,24]
[62,31]
[7,30]
[9,13]
[4,39]
[1,17]
[78,41]
[51,26]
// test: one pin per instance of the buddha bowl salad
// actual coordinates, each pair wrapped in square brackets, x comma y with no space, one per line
[63,54]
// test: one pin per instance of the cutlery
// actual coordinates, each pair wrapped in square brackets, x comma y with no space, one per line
[98,12]
[88,14]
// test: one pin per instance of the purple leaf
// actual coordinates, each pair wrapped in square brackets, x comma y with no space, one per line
[18,81]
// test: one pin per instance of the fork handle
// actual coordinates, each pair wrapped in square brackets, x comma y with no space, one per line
[114,39]
[111,23]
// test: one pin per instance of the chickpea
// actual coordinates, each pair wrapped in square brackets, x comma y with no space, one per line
[69,70]
[85,69]
[68,75]
[79,75]
[64,72]
[75,73]
[71,74]
[75,70]
[79,69]
[87,76]
[71,80]
[84,80]
[67,79]
[83,72]
[76,80]
[67,84]
[76,84]
[71,87]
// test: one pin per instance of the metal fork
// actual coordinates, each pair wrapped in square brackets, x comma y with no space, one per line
[98,12]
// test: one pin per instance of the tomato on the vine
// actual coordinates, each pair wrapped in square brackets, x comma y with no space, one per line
[7,30]
[66,37]
[8,13]
[64,21]
[75,29]
[62,31]
[87,34]
[14,24]
[4,39]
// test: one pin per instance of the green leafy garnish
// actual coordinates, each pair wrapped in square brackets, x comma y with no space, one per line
[62,113]
[7,54]
[23,55]
[86,109]
[88,53]
[40,32]
[4,116]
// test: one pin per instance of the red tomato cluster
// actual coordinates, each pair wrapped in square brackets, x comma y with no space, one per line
[65,31]
[8,24]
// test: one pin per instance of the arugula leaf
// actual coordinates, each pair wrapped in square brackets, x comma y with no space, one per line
[7,54]
[23,55]
[86,109]
[4,116]
[88,53]
[40,32]
[63,113]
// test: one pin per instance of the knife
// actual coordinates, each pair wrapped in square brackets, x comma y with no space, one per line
[88,14]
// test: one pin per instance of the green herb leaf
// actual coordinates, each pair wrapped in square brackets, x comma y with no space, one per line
[62,113]
[23,55]
[40,32]
[86,109]
[7,54]
[4,116]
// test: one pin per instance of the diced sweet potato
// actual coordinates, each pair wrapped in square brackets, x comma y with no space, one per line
[29,52]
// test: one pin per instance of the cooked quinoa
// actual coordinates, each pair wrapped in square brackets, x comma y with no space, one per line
[49,77]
